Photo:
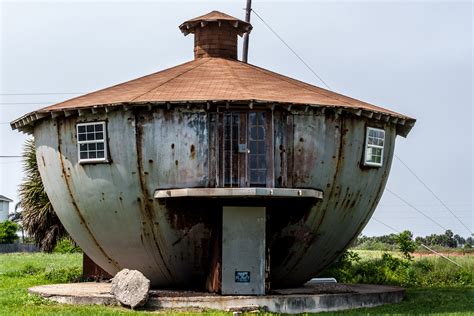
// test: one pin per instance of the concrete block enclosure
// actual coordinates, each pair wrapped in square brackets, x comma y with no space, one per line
[140,173]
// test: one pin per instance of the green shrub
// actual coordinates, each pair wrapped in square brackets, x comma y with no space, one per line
[8,231]
[391,270]
[376,245]
[66,245]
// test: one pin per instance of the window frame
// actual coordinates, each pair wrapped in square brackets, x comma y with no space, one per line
[367,146]
[105,159]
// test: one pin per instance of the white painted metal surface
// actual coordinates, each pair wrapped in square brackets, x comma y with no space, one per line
[239,192]
[243,250]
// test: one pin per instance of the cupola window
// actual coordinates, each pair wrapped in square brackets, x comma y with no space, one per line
[91,142]
[374,143]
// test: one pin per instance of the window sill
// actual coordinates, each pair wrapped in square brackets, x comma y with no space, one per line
[95,161]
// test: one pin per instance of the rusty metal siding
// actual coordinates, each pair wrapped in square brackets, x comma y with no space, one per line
[110,211]
[351,193]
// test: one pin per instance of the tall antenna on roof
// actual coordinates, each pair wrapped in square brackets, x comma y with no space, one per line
[245,52]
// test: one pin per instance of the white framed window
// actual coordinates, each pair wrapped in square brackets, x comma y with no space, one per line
[374,143]
[91,142]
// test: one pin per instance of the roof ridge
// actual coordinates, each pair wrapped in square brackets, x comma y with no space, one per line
[171,79]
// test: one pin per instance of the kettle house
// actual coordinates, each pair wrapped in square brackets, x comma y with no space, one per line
[215,174]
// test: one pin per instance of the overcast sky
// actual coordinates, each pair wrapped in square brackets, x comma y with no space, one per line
[411,57]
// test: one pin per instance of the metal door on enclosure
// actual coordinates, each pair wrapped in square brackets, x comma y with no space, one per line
[242,149]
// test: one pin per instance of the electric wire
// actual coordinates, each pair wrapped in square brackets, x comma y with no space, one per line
[24,103]
[432,192]
[423,245]
[291,49]
[416,209]
[41,93]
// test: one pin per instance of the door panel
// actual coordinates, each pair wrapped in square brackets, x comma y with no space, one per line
[242,149]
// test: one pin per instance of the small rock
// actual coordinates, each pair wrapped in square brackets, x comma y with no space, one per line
[130,288]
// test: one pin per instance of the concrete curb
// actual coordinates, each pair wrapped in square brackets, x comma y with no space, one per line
[293,301]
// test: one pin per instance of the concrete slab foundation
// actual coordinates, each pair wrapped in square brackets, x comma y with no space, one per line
[311,298]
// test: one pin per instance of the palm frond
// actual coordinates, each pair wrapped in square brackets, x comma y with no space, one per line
[39,218]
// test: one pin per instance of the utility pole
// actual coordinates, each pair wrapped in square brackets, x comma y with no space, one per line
[245,52]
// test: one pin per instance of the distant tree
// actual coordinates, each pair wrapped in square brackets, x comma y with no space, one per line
[420,240]
[460,241]
[39,219]
[8,231]
[470,241]
[405,244]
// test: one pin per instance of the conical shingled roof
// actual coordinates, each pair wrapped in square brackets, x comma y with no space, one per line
[216,79]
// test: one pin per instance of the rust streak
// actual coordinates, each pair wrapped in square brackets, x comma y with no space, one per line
[76,208]
[146,198]
[329,195]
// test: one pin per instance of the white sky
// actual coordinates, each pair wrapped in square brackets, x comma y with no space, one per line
[412,57]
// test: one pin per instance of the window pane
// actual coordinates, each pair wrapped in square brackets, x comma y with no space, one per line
[261,147]
[91,147]
[253,147]
[100,154]
[90,128]
[82,137]
[81,129]
[99,128]
[83,155]
[90,136]
[100,146]
[252,118]
[253,162]
[261,176]
[262,161]
[83,147]
[92,155]
[99,135]
[253,133]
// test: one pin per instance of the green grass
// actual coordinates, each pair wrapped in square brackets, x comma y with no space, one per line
[439,301]
[18,272]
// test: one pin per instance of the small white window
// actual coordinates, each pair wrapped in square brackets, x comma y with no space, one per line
[374,143]
[91,142]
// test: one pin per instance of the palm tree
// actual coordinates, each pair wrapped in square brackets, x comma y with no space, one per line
[38,216]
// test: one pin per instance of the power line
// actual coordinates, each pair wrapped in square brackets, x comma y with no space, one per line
[291,49]
[413,207]
[390,227]
[434,194]
[42,93]
[10,156]
[423,245]
[24,103]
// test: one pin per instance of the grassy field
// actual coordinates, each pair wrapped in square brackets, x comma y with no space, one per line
[20,271]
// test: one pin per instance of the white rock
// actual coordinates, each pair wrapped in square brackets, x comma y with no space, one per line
[130,288]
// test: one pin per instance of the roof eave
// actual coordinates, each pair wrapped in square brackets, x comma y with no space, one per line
[26,123]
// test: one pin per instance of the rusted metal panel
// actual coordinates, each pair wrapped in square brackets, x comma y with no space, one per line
[110,209]
[351,194]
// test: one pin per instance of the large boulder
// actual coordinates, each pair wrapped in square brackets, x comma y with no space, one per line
[130,288]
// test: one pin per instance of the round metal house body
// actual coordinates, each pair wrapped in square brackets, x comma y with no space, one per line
[108,159]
